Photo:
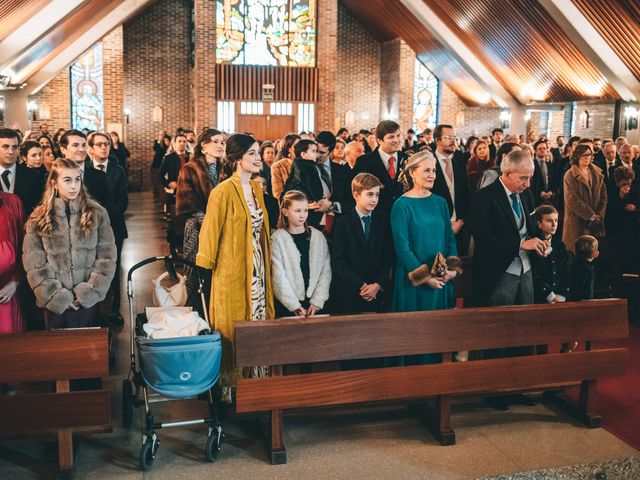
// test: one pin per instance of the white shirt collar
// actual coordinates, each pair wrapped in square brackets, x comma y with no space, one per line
[507,191]
[362,215]
[386,156]
[96,163]
[443,156]
[12,169]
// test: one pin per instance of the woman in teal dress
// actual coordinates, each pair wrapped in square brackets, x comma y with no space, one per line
[421,228]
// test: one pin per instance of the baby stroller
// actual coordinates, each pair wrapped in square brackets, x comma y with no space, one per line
[172,368]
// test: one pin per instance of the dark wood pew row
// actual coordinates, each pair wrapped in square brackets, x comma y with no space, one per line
[294,341]
[56,356]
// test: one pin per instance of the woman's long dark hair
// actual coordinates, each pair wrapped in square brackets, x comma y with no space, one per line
[237,146]
[285,145]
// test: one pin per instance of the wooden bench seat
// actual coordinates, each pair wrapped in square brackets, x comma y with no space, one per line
[294,341]
[58,356]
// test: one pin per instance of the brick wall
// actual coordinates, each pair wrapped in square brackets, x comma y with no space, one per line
[57,97]
[327,62]
[204,81]
[601,115]
[397,63]
[358,82]
[477,120]
[156,73]
[113,75]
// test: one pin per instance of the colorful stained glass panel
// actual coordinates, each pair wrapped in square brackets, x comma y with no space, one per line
[425,98]
[87,100]
[266,32]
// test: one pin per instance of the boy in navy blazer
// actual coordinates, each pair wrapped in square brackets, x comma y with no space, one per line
[362,252]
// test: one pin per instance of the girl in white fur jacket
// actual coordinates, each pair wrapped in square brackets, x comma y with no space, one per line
[300,259]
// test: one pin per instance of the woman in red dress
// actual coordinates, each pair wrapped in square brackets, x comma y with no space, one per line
[11,233]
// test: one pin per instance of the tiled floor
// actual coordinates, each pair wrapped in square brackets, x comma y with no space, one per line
[329,444]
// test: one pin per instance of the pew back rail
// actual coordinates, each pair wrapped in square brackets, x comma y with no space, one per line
[59,356]
[294,341]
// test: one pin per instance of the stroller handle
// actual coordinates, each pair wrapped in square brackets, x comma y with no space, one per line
[168,259]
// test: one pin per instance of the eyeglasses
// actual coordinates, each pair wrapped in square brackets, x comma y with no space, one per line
[448,137]
[586,155]
[101,145]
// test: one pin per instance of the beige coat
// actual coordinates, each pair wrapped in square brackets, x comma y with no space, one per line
[582,200]
[280,172]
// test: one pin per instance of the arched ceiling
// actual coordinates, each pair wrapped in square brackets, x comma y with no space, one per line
[489,47]
[487,51]
[38,38]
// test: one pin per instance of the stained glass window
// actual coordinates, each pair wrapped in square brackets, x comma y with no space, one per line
[266,32]
[87,100]
[425,98]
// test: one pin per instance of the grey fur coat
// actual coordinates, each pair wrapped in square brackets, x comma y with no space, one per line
[69,265]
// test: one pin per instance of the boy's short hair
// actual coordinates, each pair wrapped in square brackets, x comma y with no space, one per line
[543,210]
[365,181]
[586,246]
[302,146]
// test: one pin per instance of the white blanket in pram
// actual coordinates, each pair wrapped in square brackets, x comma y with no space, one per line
[171,324]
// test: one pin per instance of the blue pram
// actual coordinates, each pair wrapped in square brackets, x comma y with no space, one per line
[173,368]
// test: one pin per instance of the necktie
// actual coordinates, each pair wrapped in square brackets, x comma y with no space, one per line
[392,168]
[366,221]
[448,171]
[326,178]
[516,204]
[101,167]
[545,174]
[5,179]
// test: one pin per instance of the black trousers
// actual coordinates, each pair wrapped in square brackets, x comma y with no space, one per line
[115,283]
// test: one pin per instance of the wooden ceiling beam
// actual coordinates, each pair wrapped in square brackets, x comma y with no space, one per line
[460,52]
[105,23]
[591,43]
[33,28]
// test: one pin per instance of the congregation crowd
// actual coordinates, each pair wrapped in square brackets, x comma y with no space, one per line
[320,223]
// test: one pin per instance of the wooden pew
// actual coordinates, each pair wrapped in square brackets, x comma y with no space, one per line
[57,356]
[293,341]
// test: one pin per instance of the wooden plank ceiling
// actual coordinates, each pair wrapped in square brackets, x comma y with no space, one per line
[81,20]
[520,44]
[14,13]
[389,19]
[618,23]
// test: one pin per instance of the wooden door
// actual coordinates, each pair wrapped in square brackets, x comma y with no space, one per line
[266,127]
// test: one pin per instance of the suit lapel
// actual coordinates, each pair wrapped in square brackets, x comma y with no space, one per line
[505,204]
[356,225]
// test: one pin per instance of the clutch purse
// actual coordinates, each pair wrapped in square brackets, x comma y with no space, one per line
[420,275]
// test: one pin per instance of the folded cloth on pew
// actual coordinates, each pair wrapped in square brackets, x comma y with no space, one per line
[170,325]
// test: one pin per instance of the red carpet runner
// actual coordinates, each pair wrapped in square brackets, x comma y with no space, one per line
[619,398]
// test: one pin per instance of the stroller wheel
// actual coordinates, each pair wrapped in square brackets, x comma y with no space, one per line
[127,403]
[212,447]
[148,453]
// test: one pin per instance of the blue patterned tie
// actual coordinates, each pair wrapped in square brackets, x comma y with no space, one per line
[516,204]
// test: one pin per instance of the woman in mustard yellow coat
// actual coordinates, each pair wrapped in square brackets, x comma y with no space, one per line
[235,244]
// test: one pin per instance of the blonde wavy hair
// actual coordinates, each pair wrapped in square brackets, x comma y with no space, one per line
[416,159]
[43,215]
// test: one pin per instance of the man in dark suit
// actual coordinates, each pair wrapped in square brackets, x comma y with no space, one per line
[16,178]
[385,163]
[99,147]
[556,152]
[173,162]
[607,161]
[543,183]
[338,176]
[73,145]
[497,138]
[451,180]
[503,230]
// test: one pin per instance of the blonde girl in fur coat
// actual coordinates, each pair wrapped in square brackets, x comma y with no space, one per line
[69,251]
[300,260]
